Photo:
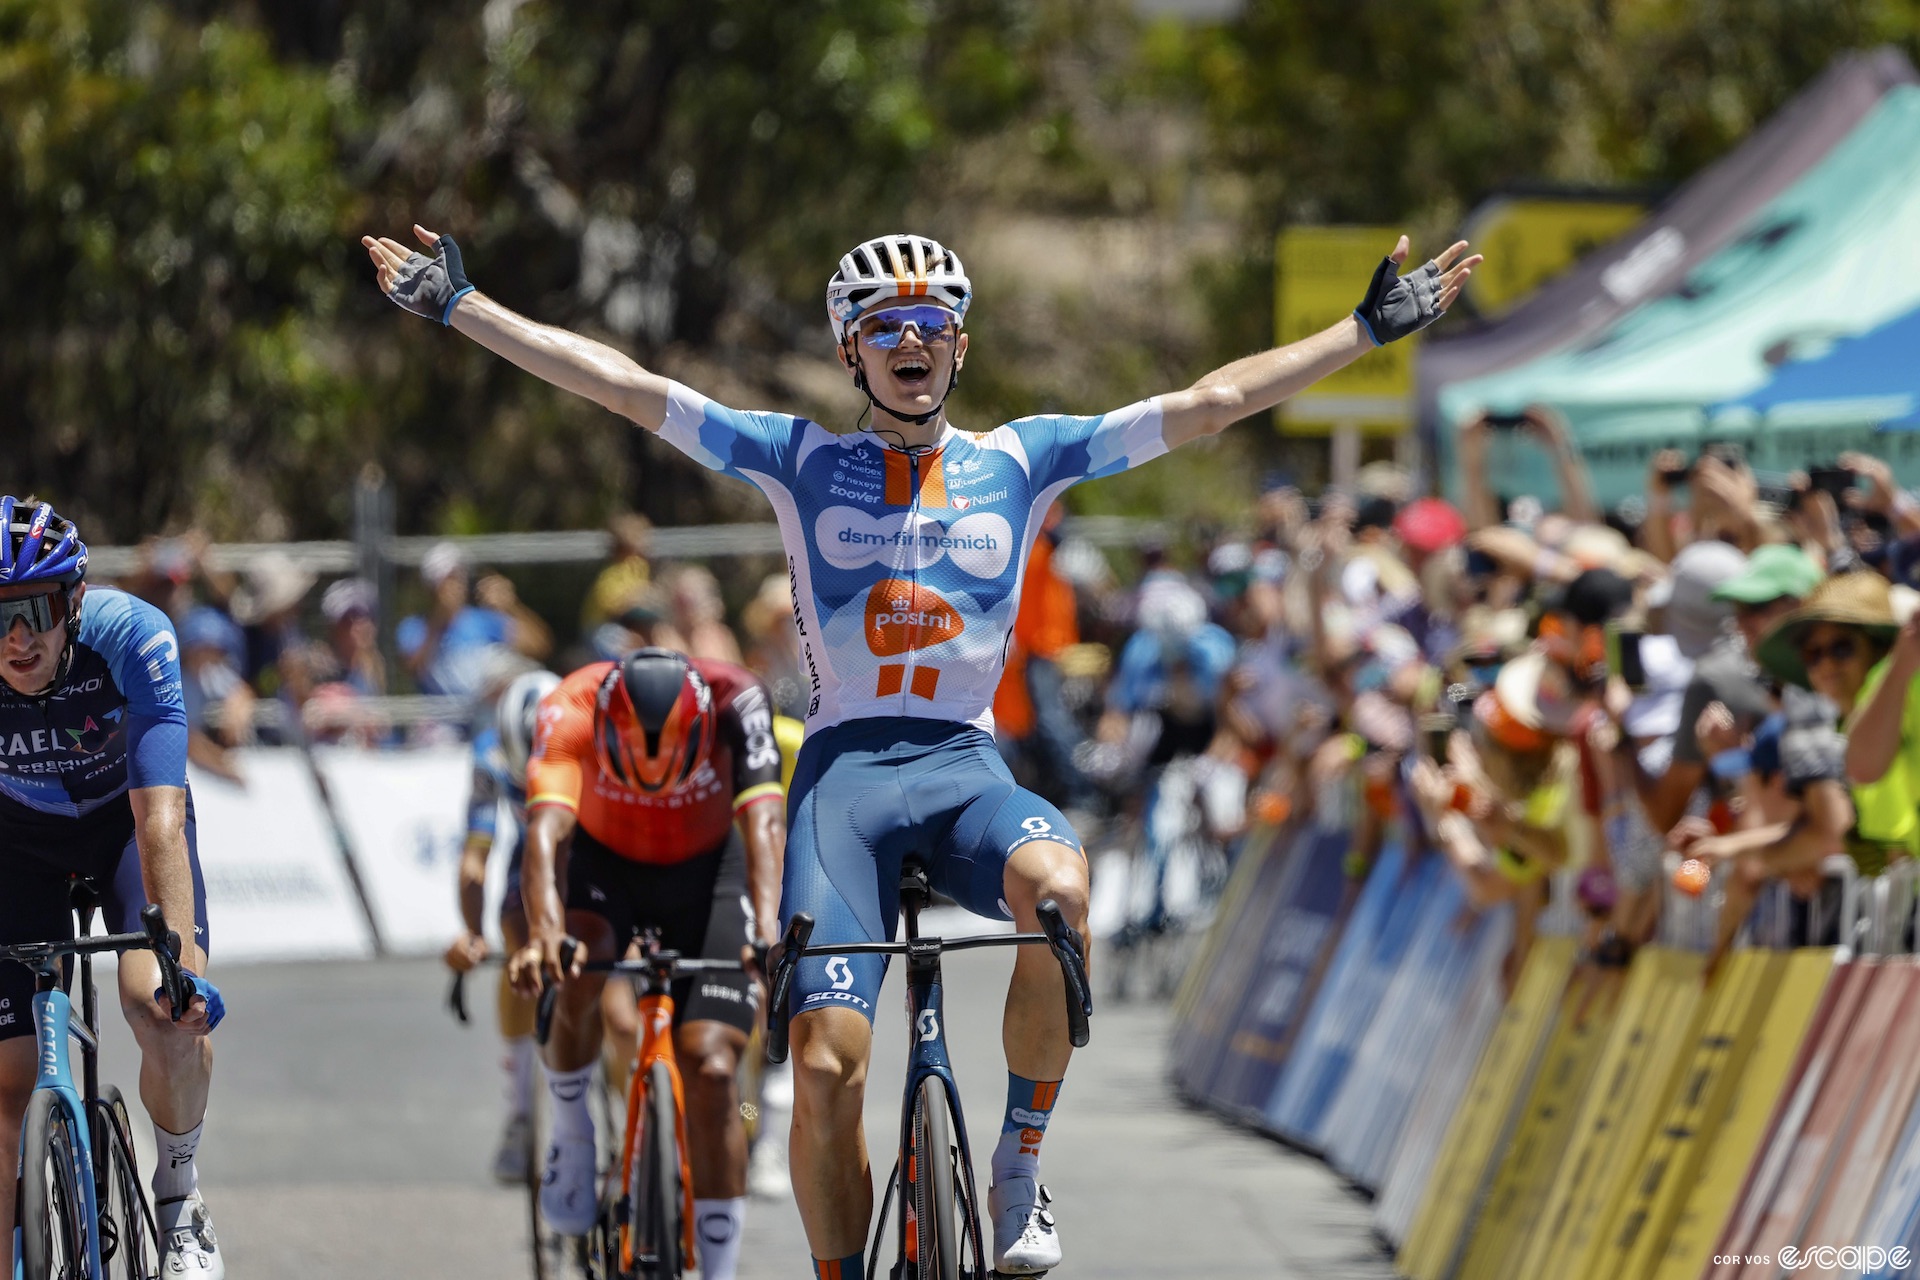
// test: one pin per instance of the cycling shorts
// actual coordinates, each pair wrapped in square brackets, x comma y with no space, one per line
[36,896]
[868,793]
[699,906]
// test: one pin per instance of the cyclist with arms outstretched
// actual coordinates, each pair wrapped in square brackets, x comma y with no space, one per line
[93,783]
[660,778]
[906,543]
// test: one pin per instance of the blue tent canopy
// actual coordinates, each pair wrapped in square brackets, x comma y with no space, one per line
[1873,378]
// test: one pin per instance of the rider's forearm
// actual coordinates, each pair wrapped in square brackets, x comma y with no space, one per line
[565,359]
[1259,382]
[764,828]
[473,883]
[539,888]
[160,831]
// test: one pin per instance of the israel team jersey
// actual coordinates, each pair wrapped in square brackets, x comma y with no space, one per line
[116,721]
[906,567]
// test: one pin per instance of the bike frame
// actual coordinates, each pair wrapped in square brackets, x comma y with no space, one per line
[656,1045]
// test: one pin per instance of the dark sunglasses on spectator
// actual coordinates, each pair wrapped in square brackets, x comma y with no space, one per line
[40,613]
[883,330]
[1842,650]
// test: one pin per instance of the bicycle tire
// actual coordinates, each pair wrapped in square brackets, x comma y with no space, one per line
[536,1174]
[934,1231]
[129,1237]
[53,1239]
[656,1198]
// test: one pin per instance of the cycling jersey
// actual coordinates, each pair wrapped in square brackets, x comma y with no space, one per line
[743,768]
[492,783]
[906,567]
[116,721]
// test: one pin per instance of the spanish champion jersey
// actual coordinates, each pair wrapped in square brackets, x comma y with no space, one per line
[741,768]
[116,721]
[906,568]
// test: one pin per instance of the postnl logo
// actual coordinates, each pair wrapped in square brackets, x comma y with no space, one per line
[904,616]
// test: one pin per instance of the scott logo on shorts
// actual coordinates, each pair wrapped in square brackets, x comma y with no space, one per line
[839,973]
[903,616]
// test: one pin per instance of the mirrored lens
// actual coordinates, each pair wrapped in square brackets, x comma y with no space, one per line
[884,329]
[39,612]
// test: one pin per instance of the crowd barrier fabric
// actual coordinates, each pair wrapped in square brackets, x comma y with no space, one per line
[1485,1120]
[405,815]
[277,885]
[1894,1221]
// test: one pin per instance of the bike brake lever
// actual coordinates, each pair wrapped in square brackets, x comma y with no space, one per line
[166,949]
[799,931]
[550,993]
[1067,947]
[457,998]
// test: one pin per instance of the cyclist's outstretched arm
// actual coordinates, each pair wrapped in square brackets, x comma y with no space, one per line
[436,286]
[1394,306]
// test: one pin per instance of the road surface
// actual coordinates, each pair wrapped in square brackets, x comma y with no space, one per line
[353,1122]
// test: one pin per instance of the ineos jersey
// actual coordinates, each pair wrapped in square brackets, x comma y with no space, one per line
[906,568]
[116,721]
[741,768]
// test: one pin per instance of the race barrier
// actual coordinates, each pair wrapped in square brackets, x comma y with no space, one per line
[337,854]
[1651,1120]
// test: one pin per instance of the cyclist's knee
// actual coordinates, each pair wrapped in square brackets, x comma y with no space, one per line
[830,1049]
[19,1061]
[709,1056]
[1043,869]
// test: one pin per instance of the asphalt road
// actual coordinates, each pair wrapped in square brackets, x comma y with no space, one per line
[353,1121]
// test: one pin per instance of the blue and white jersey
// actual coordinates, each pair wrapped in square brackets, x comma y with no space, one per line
[492,783]
[117,721]
[906,568]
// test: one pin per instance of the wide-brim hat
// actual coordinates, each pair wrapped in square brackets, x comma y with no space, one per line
[273,583]
[1531,704]
[1863,600]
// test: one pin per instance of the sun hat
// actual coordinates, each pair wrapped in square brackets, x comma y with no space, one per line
[1428,525]
[1774,572]
[441,562]
[1693,616]
[1863,600]
[273,583]
[1655,711]
[1531,703]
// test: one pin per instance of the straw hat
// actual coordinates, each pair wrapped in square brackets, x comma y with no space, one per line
[1863,600]
[273,583]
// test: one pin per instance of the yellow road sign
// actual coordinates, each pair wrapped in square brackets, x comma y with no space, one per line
[1321,275]
[1528,241]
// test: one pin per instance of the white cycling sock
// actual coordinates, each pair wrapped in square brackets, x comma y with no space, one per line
[717,1226]
[519,1064]
[174,1174]
[572,1122]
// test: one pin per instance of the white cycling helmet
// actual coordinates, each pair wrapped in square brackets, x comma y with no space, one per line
[887,268]
[516,714]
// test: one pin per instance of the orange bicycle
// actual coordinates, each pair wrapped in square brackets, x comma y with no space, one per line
[645,1227]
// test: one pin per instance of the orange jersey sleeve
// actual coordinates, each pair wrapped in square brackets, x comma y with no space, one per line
[562,759]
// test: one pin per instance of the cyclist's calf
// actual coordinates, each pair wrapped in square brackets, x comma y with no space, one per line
[709,1056]
[831,1181]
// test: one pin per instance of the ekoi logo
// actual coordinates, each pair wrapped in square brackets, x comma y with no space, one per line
[904,616]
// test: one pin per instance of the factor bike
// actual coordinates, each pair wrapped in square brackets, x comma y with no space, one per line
[82,1208]
[645,1227]
[940,1236]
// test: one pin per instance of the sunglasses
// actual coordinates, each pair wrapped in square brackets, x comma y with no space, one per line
[41,613]
[883,330]
[1843,650]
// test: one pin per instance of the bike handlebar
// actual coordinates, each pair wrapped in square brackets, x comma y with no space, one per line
[1057,936]
[154,937]
[670,963]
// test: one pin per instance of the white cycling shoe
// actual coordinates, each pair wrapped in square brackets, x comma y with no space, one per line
[511,1158]
[568,1199]
[188,1250]
[1024,1241]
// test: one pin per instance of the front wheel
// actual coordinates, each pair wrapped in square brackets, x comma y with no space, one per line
[655,1199]
[52,1205]
[931,1219]
[129,1243]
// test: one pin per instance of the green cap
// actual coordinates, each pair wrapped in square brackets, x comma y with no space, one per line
[1773,572]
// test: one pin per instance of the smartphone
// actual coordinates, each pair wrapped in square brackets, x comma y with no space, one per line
[1506,421]
[1481,565]
[1730,452]
[1623,657]
[1832,480]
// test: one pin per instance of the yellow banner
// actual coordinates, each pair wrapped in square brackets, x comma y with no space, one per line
[1528,241]
[1321,273]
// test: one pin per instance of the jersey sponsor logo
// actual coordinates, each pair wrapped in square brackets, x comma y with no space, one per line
[980,545]
[157,663]
[834,997]
[1030,1119]
[903,616]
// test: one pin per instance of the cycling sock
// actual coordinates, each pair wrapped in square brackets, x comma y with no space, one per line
[717,1225]
[519,1064]
[853,1268]
[572,1122]
[1029,1107]
[174,1174]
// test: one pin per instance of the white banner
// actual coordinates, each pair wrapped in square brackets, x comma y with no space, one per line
[405,814]
[276,887]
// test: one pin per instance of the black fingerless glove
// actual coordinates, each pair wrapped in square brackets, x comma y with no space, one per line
[431,287]
[1398,305]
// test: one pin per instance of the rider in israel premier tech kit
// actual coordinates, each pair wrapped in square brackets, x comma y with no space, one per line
[906,541]
[93,782]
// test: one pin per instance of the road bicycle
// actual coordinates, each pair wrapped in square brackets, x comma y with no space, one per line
[82,1208]
[940,1237]
[645,1226]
